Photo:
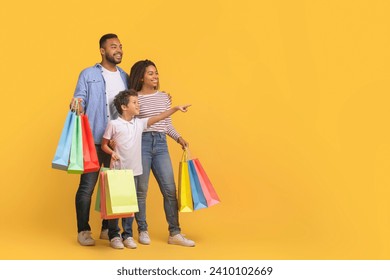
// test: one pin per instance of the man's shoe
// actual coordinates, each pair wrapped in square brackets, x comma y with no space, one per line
[179,239]
[129,243]
[144,238]
[85,238]
[117,243]
[104,234]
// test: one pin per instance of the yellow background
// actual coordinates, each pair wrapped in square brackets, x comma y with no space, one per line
[290,119]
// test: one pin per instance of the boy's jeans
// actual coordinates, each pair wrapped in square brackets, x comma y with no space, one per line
[155,157]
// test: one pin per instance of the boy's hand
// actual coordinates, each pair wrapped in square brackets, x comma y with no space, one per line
[114,156]
[183,108]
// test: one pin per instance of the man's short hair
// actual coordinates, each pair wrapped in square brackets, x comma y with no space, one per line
[105,37]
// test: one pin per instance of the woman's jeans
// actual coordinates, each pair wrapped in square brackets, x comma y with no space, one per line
[155,157]
[85,191]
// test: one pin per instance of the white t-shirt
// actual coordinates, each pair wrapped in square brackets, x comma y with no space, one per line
[128,139]
[114,84]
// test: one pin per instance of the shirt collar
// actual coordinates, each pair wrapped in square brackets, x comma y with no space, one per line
[127,122]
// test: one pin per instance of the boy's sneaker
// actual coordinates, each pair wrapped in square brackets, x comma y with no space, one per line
[179,239]
[117,243]
[104,234]
[85,238]
[144,238]
[129,243]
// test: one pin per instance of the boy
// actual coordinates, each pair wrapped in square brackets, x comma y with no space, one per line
[126,131]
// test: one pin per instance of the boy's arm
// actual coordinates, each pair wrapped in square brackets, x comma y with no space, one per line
[167,113]
[106,148]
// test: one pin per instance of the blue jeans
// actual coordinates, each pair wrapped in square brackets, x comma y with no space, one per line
[85,191]
[127,224]
[155,157]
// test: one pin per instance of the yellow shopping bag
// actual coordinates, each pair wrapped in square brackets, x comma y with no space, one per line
[121,195]
[185,197]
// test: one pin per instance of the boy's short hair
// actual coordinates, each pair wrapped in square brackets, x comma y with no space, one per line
[122,98]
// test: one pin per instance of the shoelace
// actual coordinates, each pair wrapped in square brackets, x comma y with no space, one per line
[88,235]
[182,237]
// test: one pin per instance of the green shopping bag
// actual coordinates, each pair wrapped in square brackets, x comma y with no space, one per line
[76,162]
[121,195]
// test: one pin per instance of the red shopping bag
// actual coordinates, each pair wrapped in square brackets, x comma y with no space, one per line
[208,190]
[90,158]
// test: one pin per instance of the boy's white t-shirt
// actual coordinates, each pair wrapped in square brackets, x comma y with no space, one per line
[128,139]
[114,84]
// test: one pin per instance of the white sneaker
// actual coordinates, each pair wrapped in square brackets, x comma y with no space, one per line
[117,243]
[179,239]
[130,243]
[144,238]
[85,238]
[104,234]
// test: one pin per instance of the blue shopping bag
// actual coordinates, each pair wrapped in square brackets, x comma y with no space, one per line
[196,189]
[61,157]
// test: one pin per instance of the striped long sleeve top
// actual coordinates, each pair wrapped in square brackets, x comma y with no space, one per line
[154,104]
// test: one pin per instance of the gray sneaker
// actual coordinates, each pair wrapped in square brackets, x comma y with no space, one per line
[117,243]
[85,238]
[104,234]
[179,239]
[129,243]
[143,238]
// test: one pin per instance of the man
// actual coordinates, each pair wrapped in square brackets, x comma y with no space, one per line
[96,88]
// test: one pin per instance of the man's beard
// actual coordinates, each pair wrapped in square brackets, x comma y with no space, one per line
[112,59]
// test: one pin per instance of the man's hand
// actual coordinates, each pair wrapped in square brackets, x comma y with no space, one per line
[75,105]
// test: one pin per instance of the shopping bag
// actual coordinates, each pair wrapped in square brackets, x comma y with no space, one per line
[76,165]
[208,190]
[196,190]
[99,183]
[101,200]
[90,158]
[184,188]
[121,196]
[61,157]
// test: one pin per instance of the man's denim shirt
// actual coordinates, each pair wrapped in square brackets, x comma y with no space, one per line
[91,87]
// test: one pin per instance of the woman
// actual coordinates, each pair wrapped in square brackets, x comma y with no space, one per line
[155,156]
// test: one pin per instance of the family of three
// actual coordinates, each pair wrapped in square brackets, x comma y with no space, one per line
[130,111]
